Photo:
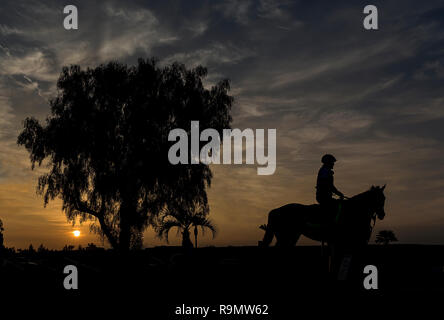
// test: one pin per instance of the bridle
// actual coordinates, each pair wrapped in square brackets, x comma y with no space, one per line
[377,213]
[373,217]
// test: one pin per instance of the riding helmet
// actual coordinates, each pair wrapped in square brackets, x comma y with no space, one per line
[328,158]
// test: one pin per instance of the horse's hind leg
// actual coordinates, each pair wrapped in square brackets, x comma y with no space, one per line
[279,240]
[286,239]
[268,237]
[295,238]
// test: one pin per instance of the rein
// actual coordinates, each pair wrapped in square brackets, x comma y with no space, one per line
[373,225]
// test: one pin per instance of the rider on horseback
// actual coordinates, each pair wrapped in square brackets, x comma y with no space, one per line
[325,187]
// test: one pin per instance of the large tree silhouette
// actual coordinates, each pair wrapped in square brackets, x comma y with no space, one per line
[106,143]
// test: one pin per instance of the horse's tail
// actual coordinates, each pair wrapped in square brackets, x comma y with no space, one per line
[269,231]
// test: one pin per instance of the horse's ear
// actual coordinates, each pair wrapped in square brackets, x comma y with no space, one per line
[383,187]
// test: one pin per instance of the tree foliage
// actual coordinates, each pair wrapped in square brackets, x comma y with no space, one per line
[385,237]
[106,145]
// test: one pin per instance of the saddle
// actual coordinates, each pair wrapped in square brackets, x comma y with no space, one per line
[322,217]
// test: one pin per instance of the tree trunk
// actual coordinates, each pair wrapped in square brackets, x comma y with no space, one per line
[126,211]
[125,233]
[107,232]
[128,208]
[195,236]
[186,241]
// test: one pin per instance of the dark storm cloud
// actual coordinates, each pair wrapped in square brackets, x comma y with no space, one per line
[308,69]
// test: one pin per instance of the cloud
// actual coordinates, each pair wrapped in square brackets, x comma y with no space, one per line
[345,121]
[430,70]
[30,85]
[138,29]
[317,67]
[217,53]
[198,28]
[35,64]
[238,10]
[6,115]
[271,9]
[6,31]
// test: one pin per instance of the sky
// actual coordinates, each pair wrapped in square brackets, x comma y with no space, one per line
[373,98]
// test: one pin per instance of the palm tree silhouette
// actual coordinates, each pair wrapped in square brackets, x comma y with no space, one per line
[183,220]
[385,237]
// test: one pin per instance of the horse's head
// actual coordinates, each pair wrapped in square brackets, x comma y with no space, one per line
[378,201]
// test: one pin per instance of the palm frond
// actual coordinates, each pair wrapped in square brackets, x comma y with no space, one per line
[163,230]
[204,223]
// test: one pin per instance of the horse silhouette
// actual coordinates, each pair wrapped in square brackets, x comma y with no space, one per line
[352,225]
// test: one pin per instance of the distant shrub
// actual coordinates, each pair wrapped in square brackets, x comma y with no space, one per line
[385,237]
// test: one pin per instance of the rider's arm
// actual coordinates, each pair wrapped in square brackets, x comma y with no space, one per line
[337,192]
[325,178]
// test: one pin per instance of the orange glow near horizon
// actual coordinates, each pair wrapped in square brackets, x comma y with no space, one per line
[76,233]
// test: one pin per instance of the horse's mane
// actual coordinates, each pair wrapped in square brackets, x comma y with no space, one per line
[362,195]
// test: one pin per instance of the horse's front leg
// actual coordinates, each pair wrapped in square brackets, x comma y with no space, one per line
[325,256]
[331,252]
[334,260]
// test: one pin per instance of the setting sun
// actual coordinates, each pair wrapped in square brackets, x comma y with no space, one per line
[76,233]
